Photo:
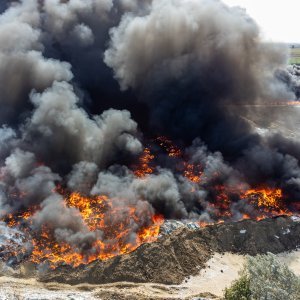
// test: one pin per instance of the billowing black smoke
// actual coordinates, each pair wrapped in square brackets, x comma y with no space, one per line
[86,84]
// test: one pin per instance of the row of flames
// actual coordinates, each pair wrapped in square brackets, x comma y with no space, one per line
[97,211]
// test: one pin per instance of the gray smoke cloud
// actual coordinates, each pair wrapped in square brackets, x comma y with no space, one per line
[291,77]
[194,64]
[66,17]
[175,34]
[23,66]
[83,177]
[159,190]
[23,182]
[60,126]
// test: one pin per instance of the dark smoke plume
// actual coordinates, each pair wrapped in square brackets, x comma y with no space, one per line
[86,84]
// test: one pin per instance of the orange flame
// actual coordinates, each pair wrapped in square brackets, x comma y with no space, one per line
[168,146]
[144,167]
[192,172]
[267,198]
[268,202]
[97,213]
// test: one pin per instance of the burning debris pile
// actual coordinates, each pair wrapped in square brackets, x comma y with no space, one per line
[90,170]
[174,257]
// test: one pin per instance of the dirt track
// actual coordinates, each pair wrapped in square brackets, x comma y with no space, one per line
[218,274]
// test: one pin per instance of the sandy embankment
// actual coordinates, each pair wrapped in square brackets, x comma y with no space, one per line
[223,269]
[220,271]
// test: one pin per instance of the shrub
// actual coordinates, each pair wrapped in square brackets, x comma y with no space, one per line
[265,278]
[240,289]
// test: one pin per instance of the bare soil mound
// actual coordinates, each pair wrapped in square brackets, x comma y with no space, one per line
[275,235]
[184,252]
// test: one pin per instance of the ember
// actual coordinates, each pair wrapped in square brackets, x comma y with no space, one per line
[144,167]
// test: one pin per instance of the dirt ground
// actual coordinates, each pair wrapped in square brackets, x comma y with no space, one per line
[209,283]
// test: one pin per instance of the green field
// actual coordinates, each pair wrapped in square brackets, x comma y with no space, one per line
[295,56]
